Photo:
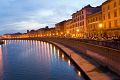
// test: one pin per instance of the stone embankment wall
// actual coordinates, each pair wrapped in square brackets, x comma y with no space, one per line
[106,56]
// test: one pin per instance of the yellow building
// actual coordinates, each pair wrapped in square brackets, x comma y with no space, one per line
[94,23]
[60,29]
[111,18]
[68,28]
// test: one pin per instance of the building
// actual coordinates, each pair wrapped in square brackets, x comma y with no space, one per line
[60,28]
[94,23]
[51,32]
[68,28]
[7,36]
[79,20]
[42,32]
[111,18]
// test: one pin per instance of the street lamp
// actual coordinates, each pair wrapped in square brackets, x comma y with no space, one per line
[68,32]
[100,25]
[77,30]
[57,33]
[61,33]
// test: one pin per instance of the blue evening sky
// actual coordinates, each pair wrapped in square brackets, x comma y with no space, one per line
[22,15]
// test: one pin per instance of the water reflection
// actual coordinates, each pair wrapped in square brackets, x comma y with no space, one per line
[35,60]
[1,63]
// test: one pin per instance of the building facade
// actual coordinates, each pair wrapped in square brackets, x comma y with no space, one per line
[60,28]
[79,20]
[68,28]
[94,23]
[111,18]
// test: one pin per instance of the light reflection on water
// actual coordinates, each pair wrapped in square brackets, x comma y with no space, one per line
[1,63]
[35,60]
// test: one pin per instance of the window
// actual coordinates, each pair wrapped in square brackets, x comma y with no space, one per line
[83,17]
[104,17]
[83,22]
[96,19]
[109,24]
[115,13]
[108,15]
[82,12]
[115,4]
[104,25]
[80,23]
[119,2]
[115,23]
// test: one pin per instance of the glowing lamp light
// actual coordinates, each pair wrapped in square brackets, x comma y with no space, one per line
[62,56]
[56,33]
[100,25]
[69,62]
[77,30]
[68,32]
[61,32]
[79,73]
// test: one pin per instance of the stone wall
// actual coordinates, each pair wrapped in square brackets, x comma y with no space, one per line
[106,56]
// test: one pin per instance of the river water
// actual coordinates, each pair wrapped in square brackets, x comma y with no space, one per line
[35,60]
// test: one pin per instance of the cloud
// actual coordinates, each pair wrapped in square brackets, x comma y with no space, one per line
[24,25]
[20,15]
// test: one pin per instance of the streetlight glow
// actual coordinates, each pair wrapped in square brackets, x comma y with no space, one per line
[100,25]
[77,30]
[68,32]
[56,33]
[61,32]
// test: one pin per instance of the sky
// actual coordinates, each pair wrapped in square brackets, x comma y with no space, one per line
[23,15]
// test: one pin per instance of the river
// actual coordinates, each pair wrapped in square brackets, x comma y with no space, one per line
[35,60]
